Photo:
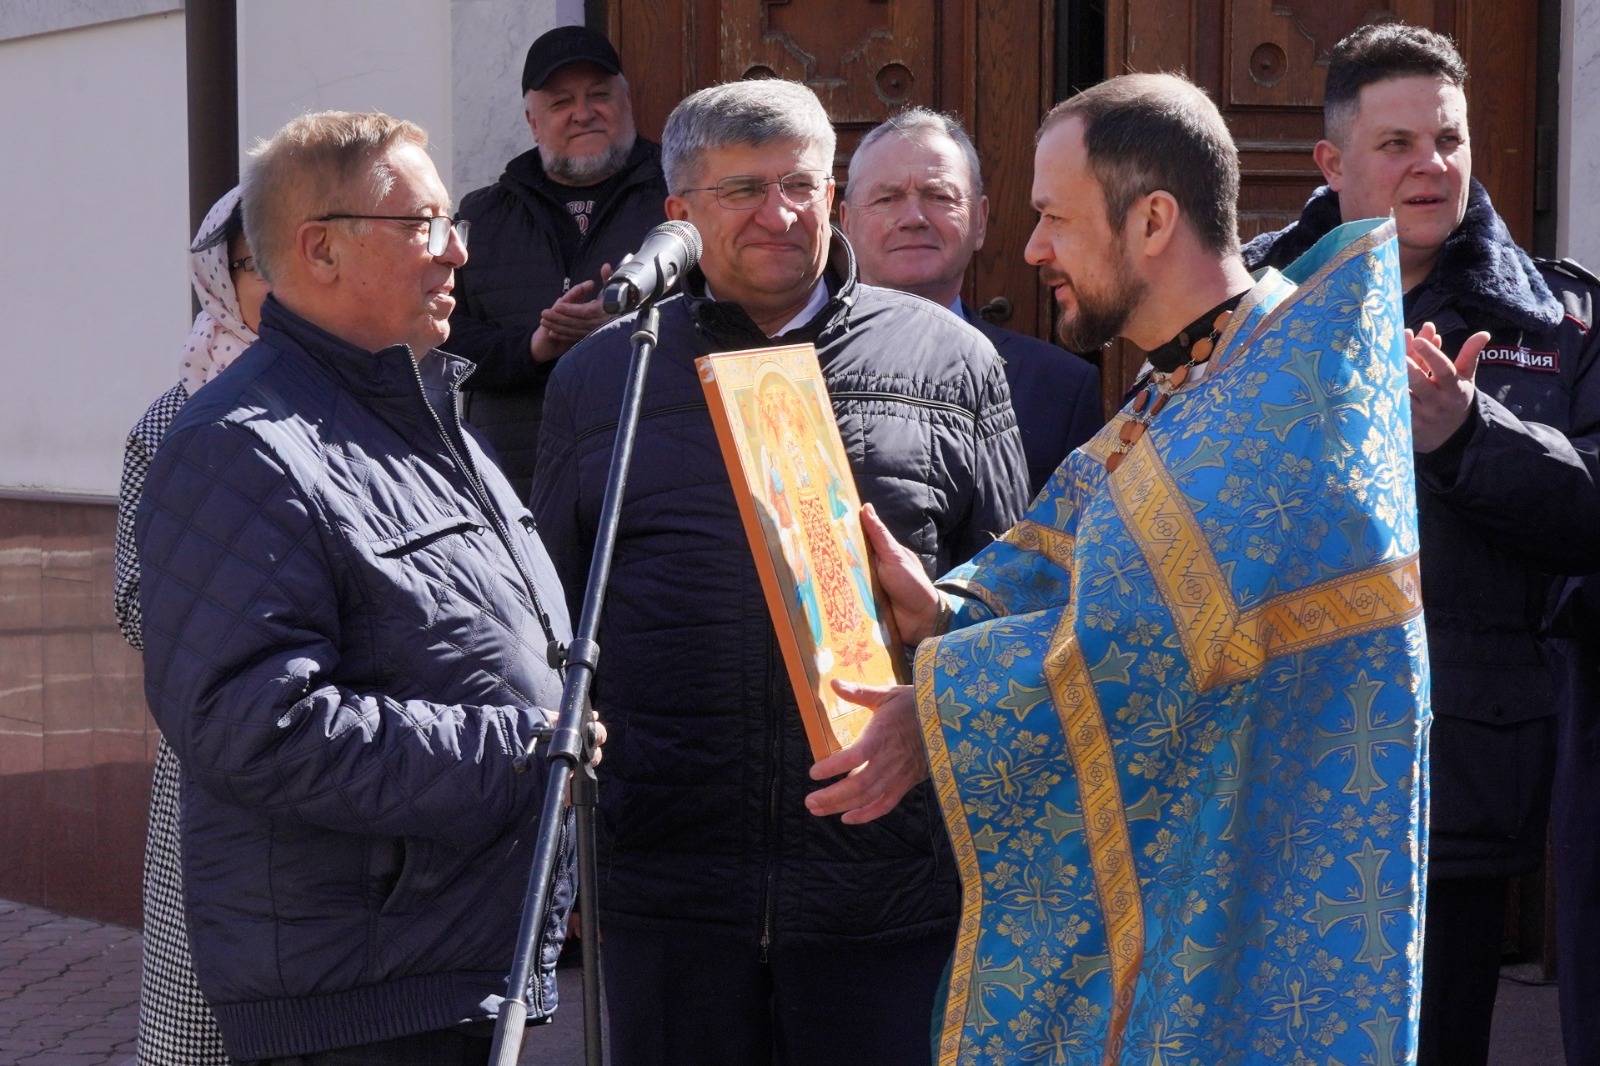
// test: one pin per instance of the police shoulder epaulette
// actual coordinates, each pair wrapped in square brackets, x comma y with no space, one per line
[1571,268]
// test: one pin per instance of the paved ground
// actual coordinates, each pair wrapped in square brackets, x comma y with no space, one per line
[69,989]
[69,993]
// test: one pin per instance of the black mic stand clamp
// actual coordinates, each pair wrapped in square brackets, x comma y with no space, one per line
[571,749]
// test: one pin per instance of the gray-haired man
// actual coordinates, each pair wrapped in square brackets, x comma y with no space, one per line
[915,213]
[344,614]
[740,928]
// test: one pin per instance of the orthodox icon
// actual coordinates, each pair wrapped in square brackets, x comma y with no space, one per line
[801,513]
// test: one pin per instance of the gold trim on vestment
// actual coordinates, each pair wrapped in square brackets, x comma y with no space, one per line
[1099,446]
[1222,644]
[1044,540]
[973,591]
[964,964]
[1105,827]
[1105,820]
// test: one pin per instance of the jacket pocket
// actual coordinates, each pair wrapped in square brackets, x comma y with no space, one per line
[419,876]
[1494,678]
[1490,783]
[386,858]
[421,536]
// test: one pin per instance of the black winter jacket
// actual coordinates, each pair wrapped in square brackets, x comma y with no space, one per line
[515,270]
[1055,394]
[703,786]
[345,618]
[1505,504]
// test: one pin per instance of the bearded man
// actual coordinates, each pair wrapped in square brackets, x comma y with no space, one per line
[546,235]
[1175,716]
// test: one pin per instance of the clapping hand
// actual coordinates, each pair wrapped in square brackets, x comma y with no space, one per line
[570,319]
[1441,388]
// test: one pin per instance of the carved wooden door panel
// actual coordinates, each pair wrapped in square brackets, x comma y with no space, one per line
[1264,63]
[992,63]
[863,58]
[866,59]
[859,58]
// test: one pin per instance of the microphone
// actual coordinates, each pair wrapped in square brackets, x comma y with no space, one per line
[668,250]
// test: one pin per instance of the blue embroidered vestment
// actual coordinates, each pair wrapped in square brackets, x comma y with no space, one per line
[1177,728]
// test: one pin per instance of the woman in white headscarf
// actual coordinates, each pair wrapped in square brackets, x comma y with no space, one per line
[176,1026]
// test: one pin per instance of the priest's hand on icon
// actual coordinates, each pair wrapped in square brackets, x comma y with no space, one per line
[1441,388]
[911,595]
[883,764]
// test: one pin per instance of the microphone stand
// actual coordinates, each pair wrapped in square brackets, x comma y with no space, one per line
[570,749]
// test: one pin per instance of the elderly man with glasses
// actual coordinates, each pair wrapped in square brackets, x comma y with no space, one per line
[345,615]
[739,928]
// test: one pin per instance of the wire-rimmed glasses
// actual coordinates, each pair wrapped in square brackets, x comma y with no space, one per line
[439,227]
[799,189]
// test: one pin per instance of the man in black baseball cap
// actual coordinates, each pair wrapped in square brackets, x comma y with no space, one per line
[563,45]
[546,235]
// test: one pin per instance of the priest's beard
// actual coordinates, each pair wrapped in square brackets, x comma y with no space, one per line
[1102,315]
[581,170]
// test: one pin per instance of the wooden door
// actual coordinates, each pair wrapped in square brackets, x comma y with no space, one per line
[866,59]
[1264,63]
[991,62]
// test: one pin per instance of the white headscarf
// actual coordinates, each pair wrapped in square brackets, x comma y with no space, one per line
[219,332]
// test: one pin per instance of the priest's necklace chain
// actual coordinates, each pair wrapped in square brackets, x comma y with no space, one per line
[1162,384]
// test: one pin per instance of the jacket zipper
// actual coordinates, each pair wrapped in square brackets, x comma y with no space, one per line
[775,771]
[636,176]
[485,501]
[914,401]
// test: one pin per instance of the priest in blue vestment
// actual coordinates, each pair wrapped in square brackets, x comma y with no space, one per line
[1177,716]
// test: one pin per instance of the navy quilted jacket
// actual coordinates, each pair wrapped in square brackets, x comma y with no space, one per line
[702,791]
[346,618]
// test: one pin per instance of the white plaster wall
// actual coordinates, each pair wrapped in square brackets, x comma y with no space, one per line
[24,18]
[489,43]
[349,55]
[96,307]
[94,281]
[452,66]
[1578,199]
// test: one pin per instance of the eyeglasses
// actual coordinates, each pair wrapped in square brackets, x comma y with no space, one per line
[800,189]
[248,264]
[439,227]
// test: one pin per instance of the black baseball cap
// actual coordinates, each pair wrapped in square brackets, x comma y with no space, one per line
[563,45]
